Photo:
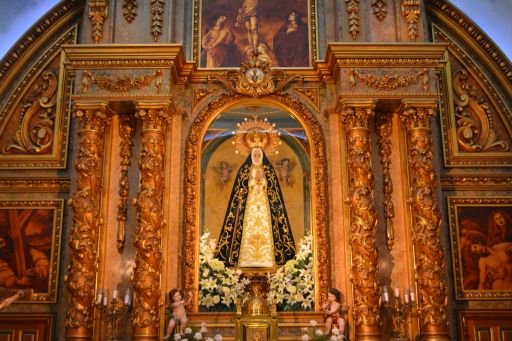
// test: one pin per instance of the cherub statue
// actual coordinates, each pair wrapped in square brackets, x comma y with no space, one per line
[284,167]
[224,169]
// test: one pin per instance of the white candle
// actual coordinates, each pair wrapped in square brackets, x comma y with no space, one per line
[114,294]
[413,298]
[397,292]
[127,297]
[100,294]
[105,300]
[406,297]
[385,293]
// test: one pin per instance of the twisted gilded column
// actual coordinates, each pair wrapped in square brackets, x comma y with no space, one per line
[355,116]
[148,235]
[426,219]
[83,241]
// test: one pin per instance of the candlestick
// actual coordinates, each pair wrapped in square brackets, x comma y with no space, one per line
[397,292]
[114,294]
[112,312]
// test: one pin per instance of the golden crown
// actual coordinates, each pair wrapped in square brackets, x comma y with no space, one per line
[256,133]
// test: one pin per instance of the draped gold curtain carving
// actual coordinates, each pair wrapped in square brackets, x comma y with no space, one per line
[426,219]
[363,218]
[148,235]
[87,221]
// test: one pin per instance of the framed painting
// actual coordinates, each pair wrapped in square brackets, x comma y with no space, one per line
[481,238]
[229,32]
[30,238]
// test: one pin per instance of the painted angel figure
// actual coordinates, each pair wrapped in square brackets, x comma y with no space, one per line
[224,169]
[284,170]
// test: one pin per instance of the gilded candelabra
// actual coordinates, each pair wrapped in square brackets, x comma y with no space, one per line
[113,311]
[400,309]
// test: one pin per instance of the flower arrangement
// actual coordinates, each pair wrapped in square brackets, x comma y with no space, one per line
[220,288]
[196,334]
[292,287]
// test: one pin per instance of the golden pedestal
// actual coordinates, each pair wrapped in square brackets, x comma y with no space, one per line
[255,321]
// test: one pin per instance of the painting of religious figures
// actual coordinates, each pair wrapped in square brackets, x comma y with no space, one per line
[229,32]
[481,231]
[30,233]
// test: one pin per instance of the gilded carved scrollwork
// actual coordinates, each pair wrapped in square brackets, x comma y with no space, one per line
[255,78]
[36,124]
[98,13]
[384,130]
[87,221]
[126,131]
[149,204]
[311,94]
[426,219]
[475,132]
[363,217]
[192,189]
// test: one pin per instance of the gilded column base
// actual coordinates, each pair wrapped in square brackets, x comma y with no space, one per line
[369,336]
[434,336]
[81,333]
[145,334]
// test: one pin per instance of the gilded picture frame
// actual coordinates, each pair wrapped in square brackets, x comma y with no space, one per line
[481,243]
[228,32]
[30,241]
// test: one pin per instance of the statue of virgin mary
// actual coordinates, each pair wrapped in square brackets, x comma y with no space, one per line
[256,232]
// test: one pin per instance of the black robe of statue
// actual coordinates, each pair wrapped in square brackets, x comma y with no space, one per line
[230,239]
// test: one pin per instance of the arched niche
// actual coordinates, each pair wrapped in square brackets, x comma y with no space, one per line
[313,160]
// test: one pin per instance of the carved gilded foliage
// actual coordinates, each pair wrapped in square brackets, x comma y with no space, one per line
[121,84]
[157,11]
[363,218]
[130,10]
[384,130]
[87,220]
[389,81]
[98,13]
[426,219]
[411,12]
[311,94]
[126,132]
[352,8]
[149,204]
[379,9]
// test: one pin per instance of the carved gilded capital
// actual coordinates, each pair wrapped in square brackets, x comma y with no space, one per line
[355,113]
[417,113]
[155,115]
[93,115]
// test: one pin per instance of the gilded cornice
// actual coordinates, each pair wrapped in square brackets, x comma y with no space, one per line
[476,39]
[121,56]
[37,37]
[35,184]
[476,182]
